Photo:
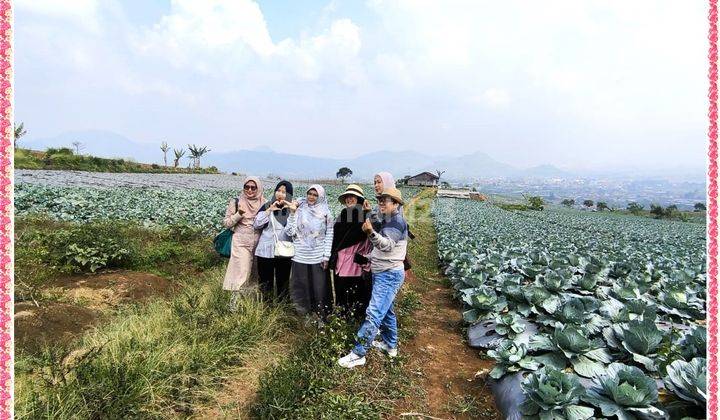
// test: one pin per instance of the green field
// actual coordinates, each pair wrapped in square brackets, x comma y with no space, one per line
[611,299]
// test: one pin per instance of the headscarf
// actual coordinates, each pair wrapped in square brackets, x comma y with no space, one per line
[387,179]
[281,215]
[313,219]
[251,206]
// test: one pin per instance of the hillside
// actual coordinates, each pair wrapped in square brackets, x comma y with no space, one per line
[66,159]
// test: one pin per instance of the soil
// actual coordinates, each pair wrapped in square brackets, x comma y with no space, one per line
[83,300]
[51,324]
[110,289]
[452,374]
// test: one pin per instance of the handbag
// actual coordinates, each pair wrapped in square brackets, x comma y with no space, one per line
[284,249]
[223,240]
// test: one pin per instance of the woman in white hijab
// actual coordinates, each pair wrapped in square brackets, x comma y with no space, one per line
[310,225]
[240,219]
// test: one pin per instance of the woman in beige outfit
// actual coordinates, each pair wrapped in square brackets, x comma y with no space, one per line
[245,236]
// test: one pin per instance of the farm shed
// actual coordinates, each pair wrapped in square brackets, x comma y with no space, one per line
[424,179]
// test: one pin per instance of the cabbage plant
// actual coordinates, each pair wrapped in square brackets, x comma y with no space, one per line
[510,357]
[553,394]
[626,393]
[687,380]
[509,324]
[481,301]
[570,344]
[641,339]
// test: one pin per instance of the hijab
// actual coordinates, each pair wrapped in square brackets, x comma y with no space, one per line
[281,215]
[313,219]
[251,206]
[387,179]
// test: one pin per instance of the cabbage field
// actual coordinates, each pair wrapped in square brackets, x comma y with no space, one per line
[587,314]
[148,199]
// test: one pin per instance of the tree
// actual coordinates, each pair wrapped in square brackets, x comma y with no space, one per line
[19,132]
[635,208]
[343,173]
[196,153]
[536,202]
[657,211]
[78,146]
[700,207]
[178,154]
[588,203]
[568,202]
[439,174]
[164,147]
[601,205]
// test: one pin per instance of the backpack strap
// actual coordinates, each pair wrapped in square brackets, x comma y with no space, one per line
[237,200]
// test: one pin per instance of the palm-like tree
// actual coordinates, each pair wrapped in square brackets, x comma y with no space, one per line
[19,132]
[178,154]
[196,153]
[164,147]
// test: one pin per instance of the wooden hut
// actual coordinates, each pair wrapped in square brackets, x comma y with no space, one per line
[424,179]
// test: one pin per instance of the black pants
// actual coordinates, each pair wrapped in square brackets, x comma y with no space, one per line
[274,271]
[309,289]
[353,294]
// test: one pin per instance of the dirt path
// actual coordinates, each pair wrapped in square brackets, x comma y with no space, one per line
[453,375]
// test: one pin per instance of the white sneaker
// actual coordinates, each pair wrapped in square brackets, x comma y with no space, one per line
[351,360]
[379,344]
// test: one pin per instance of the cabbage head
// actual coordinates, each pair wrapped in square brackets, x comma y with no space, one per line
[553,394]
[625,392]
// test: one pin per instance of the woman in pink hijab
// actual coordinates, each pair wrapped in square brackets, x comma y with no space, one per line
[245,237]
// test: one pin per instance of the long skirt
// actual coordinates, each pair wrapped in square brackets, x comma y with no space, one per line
[309,289]
[241,266]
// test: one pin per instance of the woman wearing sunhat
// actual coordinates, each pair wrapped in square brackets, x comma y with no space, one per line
[239,217]
[310,225]
[271,221]
[386,262]
[353,283]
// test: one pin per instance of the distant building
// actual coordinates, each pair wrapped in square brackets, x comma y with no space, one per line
[424,179]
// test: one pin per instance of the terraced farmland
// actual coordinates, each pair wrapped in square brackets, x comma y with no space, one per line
[586,314]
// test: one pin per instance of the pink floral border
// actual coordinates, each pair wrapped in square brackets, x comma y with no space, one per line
[712,227]
[6,211]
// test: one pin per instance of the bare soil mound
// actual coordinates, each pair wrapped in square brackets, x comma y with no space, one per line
[114,288]
[51,324]
[57,323]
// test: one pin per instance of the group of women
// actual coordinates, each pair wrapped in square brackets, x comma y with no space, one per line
[324,245]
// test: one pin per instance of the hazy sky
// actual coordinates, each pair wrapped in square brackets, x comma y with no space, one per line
[573,83]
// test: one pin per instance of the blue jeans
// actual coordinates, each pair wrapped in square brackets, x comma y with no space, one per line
[380,315]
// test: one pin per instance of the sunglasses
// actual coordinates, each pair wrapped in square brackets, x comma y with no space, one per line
[313,194]
[250,188]
[385,200]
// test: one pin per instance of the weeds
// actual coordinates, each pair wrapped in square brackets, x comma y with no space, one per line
[152,362]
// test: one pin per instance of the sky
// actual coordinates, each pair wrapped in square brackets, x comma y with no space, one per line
[591,84]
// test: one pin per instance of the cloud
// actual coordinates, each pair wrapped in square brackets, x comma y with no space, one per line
[80,12]
[231,37]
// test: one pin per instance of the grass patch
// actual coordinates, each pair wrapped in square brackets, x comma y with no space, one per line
[155,361]
[47,249]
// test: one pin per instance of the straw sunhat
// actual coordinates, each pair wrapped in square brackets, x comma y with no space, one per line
[393,193]
[352,189]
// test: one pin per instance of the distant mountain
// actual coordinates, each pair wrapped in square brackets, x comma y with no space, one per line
[263,160]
